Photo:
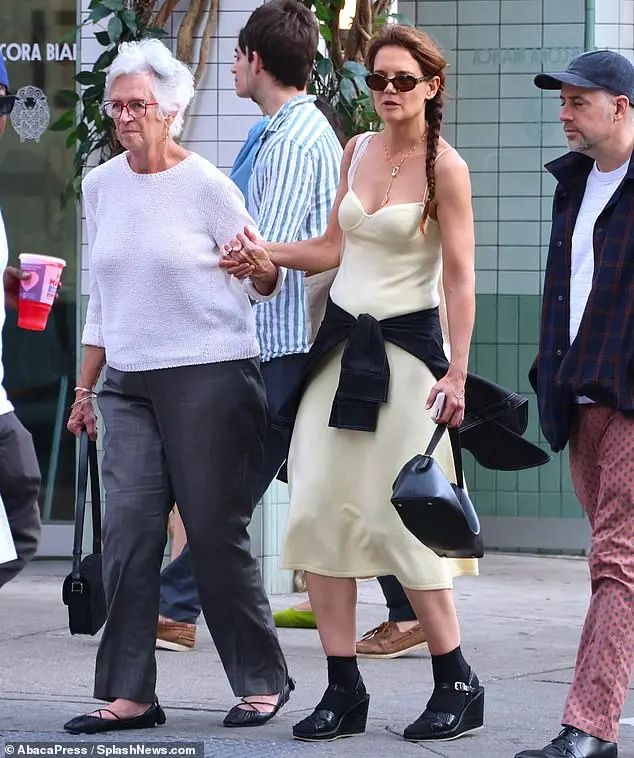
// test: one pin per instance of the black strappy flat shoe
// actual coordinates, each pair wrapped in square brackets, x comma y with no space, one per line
[87,723]
[245,717]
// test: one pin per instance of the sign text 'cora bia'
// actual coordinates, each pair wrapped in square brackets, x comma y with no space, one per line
[27,51]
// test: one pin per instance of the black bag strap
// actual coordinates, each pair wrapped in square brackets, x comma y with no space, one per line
[456,449]
[87,460]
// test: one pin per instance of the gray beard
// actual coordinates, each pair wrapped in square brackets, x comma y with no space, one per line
[582,146]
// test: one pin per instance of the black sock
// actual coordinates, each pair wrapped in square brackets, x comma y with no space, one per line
[448,669]
[344,672]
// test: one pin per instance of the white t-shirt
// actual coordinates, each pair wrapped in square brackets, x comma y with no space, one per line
[5,405]
[600,187]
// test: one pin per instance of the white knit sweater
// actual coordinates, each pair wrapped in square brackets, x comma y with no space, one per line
[158,298]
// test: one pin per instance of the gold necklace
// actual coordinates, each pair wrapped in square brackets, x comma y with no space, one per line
[397,168]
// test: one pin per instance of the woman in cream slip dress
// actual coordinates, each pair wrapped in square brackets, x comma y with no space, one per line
[342,525]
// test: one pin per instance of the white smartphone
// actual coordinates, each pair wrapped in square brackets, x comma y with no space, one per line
[438,406]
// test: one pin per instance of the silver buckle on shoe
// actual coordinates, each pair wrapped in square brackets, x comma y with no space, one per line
[462,687]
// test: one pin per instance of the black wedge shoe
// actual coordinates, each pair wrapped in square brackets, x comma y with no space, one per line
[325,724]
[89,724]
[432,726]
[246,717]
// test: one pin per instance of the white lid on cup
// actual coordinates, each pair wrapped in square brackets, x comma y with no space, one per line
[36,258]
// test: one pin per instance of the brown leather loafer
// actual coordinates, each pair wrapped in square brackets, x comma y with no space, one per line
[175,635]
[386,641]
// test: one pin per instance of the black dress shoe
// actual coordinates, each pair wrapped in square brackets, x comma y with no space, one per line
[347,719]
[246,717]
[433,726]
[573,743]
[88,724]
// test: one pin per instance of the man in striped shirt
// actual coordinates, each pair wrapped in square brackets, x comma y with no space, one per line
[291,192]
[293,185]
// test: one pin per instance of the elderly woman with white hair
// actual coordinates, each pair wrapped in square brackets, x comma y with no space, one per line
[183,402]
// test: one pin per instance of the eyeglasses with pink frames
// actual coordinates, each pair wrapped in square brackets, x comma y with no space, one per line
[135,108]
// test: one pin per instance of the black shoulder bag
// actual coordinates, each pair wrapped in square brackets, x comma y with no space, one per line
[438,513]
[83,591]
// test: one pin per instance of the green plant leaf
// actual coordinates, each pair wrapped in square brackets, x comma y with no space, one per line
[98,13]
[324,67]
[361,85]
[70,140]
[103,38]
[86,77]
[115,29]
[105,59]
[348,90]
[92,94]
[131,20]
[154,31]
[64,122]
[325,32]
[352,69]
[82,131]
[114,5]
[68,96]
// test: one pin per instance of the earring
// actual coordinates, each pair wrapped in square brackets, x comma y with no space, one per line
[166,135]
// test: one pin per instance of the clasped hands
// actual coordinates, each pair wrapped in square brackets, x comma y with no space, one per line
[246,257]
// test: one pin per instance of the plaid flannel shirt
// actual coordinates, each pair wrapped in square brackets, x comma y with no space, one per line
[600,361]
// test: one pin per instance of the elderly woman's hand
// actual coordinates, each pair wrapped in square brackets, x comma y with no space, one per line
[83,416]
[246,257]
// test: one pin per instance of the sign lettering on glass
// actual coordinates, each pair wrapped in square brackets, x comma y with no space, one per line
[25,51]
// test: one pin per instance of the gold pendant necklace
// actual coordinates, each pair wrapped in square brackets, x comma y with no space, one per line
[397,168]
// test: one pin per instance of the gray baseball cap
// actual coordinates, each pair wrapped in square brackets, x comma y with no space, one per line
[598,69]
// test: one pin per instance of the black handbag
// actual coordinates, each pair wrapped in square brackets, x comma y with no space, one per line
[438,513]
[83,590]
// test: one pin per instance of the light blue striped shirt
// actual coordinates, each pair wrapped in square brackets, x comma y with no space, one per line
[291,191]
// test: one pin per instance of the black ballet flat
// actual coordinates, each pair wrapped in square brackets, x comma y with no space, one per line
[245,717]
[324,725]
[432,726]
[89,724]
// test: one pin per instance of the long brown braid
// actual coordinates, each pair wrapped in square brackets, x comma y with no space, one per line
[432,63]
[433,116]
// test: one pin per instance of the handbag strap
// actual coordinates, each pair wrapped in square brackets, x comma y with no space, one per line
[87,460]
[456,449]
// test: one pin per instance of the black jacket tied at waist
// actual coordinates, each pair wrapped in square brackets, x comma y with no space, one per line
[495,418]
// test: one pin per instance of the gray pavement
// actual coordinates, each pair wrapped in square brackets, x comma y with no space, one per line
[521,621]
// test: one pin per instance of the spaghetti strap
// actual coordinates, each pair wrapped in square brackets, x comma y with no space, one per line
[363,140]
[442,152]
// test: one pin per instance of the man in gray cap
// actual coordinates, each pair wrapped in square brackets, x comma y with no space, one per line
[584,377]
[19,471]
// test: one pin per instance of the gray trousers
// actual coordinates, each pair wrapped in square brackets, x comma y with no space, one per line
[193,435]
[19,488]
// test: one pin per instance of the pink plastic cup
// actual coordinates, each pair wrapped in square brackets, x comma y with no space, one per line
[37,293]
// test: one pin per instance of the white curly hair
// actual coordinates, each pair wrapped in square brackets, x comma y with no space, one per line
[172,81]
